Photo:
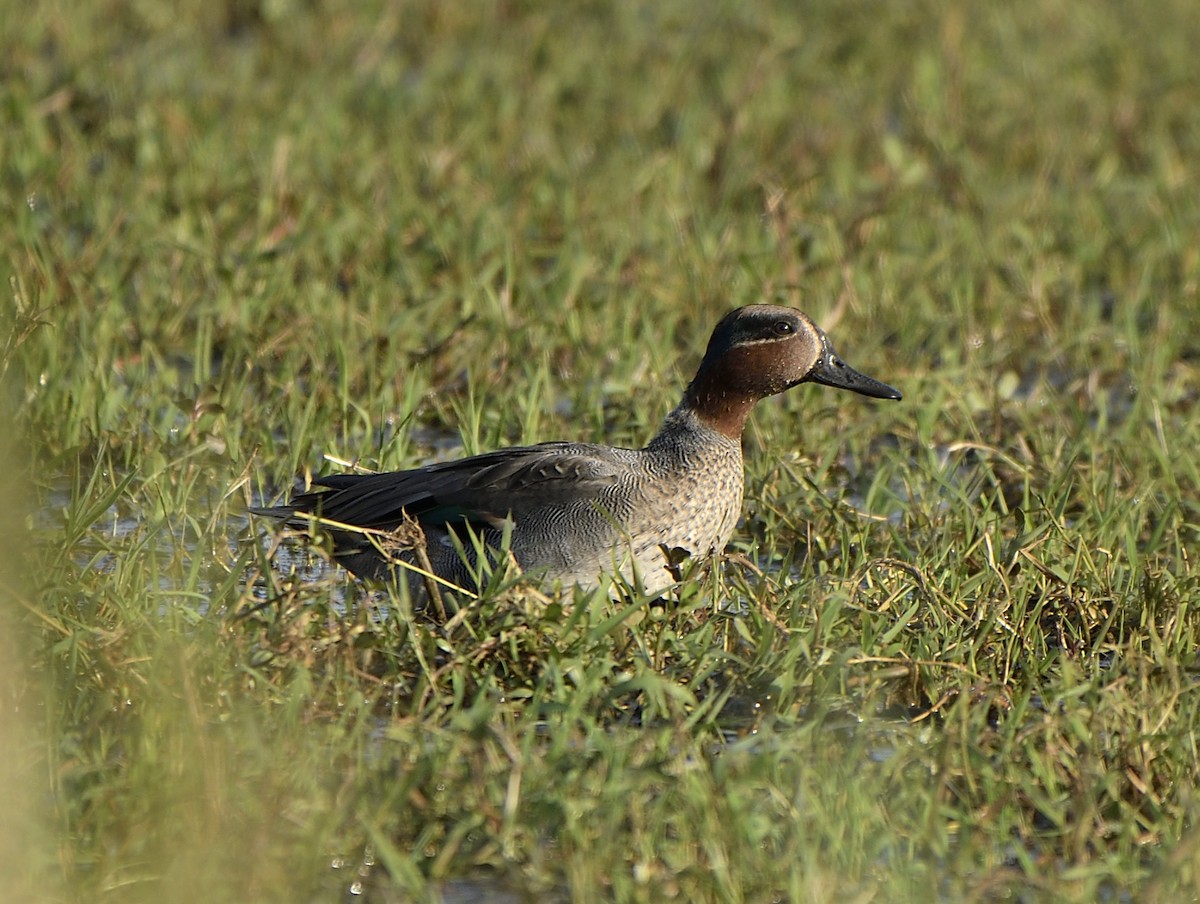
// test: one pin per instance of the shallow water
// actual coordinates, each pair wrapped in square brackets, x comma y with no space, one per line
[364,881]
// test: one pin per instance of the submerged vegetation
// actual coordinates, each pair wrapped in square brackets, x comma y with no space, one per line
[951,653]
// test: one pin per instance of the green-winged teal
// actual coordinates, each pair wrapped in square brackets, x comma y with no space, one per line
[576,511]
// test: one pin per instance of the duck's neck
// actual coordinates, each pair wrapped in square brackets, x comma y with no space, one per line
[714,405]
[684,437]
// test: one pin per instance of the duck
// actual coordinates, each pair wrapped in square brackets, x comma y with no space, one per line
[579,514]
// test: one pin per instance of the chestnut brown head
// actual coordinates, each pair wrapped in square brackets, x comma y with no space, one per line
[761,350]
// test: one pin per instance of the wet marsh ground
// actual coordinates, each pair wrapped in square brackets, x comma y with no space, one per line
[951,653]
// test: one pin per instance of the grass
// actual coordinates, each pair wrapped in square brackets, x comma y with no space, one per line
[953,651]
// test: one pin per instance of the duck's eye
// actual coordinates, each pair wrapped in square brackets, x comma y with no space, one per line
[783,327]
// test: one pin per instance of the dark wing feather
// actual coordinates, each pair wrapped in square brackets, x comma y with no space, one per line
[483,489]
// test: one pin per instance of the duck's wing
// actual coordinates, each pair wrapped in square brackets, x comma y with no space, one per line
[482,490]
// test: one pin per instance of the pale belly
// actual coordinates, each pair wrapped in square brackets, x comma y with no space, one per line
[694,519]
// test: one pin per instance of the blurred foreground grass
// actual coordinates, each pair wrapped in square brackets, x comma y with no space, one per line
[954,653]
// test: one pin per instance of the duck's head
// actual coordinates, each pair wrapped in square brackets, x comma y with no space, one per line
[761,350]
